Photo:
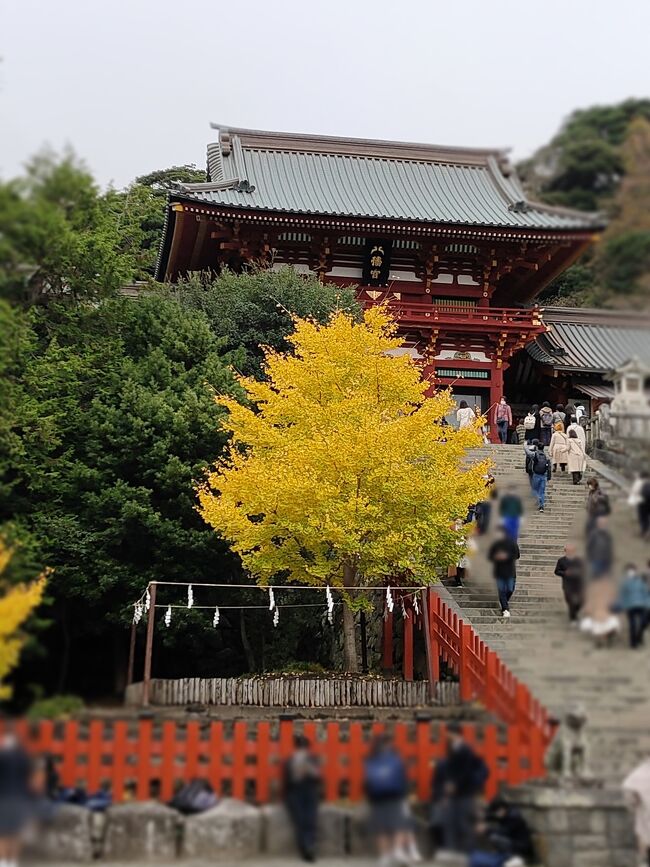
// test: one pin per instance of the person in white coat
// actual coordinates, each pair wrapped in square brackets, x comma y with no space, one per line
[577,459]
[580,433]
[559,448]
[465,415]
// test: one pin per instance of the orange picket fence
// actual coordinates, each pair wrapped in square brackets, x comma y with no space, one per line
[144,758]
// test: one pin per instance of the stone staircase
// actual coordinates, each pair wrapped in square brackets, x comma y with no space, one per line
[558,663]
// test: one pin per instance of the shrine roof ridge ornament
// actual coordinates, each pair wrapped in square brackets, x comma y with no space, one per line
[255,170]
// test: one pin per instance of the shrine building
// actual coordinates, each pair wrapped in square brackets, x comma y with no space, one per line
[445,236]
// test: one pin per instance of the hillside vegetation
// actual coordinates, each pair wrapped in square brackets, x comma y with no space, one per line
[600,161]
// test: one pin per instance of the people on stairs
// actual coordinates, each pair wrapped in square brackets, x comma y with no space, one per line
[503,554]
[570,568]
[597,504]
[545,423]
[541,473]
[464,415]
[601,591]
[511,511]
[559,448]
[503,420]
[634,601]
[577,459]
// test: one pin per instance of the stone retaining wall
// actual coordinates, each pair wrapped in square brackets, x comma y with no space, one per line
[578,827]
[151,832]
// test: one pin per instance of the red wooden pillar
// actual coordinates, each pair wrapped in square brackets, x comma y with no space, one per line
[496,393]
[387,642]
[407,665]
[431,649]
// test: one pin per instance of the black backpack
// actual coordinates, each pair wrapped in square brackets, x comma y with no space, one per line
[645,492]
[540,464]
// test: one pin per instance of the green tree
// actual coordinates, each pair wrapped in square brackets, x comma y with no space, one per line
[117,423]
[139,211]
[255,309]
[58,237]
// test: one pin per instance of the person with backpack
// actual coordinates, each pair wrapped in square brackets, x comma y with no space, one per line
[386,787]
[530,450]
[302,784]
[458,781]
[503,555]
[511,511]
[541,474]
[531,424]
[570,568]
[545,423]
[597,504]
[634,601]
[559,448]
[559,416]
[503,420]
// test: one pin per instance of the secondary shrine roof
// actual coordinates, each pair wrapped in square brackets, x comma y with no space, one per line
[591,340]
[304,174]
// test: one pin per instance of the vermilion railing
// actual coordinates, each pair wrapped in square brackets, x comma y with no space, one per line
[143,759]
[407,311]
[484,677]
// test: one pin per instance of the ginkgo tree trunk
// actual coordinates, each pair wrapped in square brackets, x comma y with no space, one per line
[340,470]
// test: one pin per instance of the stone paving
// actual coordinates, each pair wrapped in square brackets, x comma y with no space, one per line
[559,664]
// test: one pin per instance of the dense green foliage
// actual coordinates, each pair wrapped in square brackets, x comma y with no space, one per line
[255,309]
[107,421]
[600,160]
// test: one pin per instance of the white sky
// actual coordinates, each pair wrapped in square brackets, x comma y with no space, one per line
[132,85]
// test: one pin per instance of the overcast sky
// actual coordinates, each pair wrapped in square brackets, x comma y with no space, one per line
[132,85]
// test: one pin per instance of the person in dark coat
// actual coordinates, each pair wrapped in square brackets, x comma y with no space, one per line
[503,555]
[302,795]
[506,830]
[570,568]
[458,781]
[16,801]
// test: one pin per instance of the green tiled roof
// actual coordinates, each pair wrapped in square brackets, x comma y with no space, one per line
[593,341]
[372,179]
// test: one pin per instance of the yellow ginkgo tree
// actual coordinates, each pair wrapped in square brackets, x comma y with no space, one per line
[340,470]
[17,601]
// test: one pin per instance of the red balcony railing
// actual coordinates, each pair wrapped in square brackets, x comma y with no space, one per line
[474,318]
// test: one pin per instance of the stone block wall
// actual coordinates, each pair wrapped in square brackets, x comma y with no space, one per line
[578,827]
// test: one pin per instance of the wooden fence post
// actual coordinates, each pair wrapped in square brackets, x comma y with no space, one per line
[465,634]
[148,652]
[131,665]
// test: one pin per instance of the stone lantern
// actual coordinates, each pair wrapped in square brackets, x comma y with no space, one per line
[631,404]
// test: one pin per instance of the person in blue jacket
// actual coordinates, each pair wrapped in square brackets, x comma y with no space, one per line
[634,600]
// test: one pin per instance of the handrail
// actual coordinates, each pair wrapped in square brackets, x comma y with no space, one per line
[502,315]
[484,677]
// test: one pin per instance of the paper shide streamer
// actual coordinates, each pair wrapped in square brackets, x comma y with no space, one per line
[276,616]
[271,599]
[190,596]
[390,603]
[168,615]
[137,612]
[217,616]
[147,600]
[330,604]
